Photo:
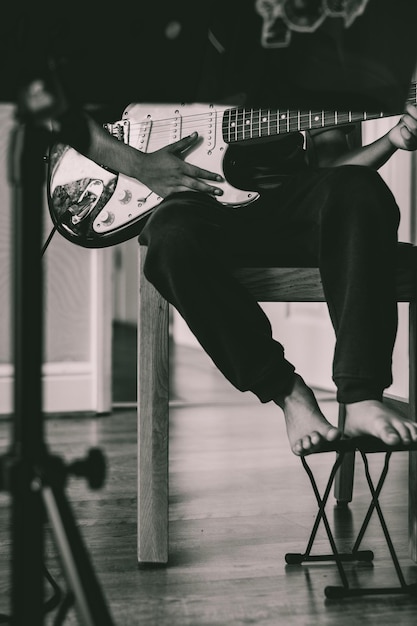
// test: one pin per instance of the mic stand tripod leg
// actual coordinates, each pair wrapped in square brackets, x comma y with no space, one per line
[82,582]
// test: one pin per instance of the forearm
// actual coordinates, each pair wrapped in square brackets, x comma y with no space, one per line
[89,138]
[373,155]
[108,151]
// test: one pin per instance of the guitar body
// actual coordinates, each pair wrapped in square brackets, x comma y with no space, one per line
[95,207]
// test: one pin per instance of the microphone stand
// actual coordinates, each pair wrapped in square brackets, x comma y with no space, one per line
[35,478]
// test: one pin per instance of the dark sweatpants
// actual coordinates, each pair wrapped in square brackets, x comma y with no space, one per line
[344,219]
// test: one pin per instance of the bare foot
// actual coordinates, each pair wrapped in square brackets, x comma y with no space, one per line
[306,425]
[372,417]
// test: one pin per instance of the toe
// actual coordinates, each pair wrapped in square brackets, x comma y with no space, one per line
[315,438]
[390,436]
[306,444]
[298,447]
[403,430]
[333,434]
[412,431]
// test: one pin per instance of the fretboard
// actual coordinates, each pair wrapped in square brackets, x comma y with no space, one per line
[244,124]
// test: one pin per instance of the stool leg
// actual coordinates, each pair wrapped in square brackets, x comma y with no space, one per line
[375,505]
[343,486]
[404,588]
[298,558]
[153,413]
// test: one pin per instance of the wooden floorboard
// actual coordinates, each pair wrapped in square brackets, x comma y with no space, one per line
[239,500]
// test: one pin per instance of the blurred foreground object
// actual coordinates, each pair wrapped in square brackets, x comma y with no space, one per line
[358,54]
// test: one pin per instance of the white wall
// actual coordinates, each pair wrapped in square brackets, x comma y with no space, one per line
[77,311]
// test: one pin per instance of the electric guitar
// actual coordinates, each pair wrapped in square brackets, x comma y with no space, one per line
[95,207]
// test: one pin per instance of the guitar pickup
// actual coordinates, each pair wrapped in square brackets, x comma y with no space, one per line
[87,201]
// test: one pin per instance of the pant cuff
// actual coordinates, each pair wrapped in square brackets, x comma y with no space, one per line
[350,390]
[277,384]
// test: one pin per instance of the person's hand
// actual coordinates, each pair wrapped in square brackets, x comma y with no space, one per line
[404,134]
[165,171]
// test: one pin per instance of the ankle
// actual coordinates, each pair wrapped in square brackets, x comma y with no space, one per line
[292,390]
[354,408]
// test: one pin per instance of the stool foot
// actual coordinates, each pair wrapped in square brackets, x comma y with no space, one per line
[295,558]
[334,593]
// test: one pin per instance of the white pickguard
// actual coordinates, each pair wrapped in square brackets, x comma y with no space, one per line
[152,127]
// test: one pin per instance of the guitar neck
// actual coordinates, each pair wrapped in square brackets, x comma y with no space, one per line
[244,124]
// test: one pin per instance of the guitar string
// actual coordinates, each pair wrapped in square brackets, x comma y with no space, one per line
[241,111]
[245,115]
[164,128]
[291,119]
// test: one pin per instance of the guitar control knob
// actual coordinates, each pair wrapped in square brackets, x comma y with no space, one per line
[107,218]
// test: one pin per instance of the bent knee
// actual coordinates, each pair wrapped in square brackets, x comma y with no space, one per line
[362,191]
[359,178]
[175,234]
[179,217]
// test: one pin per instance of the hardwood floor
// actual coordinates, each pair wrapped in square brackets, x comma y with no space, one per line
[239,500]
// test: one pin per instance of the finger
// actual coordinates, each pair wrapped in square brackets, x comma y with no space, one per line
[198,172]
[410,122]
[409,137]
[199,185]
[184,143]
[411,109]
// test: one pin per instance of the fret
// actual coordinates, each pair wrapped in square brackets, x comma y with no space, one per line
[247,124]
[243,124]
[240,133]
[234,125]
[229,126]
[305,120]
[237,125]
[255,123]
[316,119]
[273,124]
[355,117]
[343,117]
[328,118]
[282,122]
[263,123]
[226,126]
[293,121]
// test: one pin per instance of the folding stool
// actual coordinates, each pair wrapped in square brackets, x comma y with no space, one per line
[365,446]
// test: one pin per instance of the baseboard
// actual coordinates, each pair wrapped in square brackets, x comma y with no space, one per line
[67,388]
